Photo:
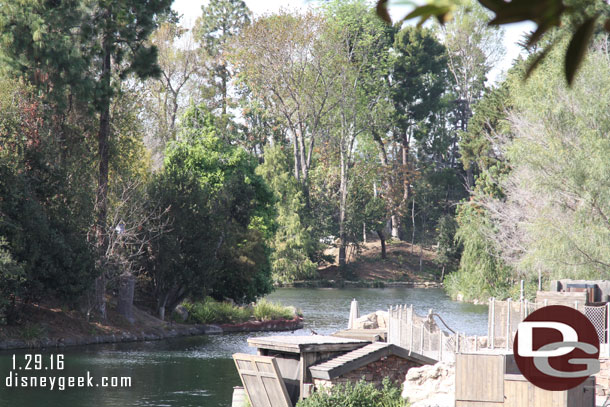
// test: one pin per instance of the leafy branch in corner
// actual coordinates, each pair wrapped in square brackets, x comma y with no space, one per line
[546,14]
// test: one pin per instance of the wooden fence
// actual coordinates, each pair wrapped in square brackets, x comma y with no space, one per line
[504,316]
[424,336]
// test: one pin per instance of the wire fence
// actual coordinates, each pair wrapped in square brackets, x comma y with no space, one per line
[505,316]
[424,335]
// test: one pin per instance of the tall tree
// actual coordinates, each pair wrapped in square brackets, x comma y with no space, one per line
[554,215]
[55,44]
[119,30]
[165,98]
[220,213]
[362,44]
[220,21]
[419,81]
[283,60]
[473,47]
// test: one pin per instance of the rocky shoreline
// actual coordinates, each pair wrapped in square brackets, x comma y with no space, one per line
[154,334]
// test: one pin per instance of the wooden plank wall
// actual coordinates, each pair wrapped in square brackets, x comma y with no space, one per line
[262,381]
[479,378]
[480,382]
[563,298]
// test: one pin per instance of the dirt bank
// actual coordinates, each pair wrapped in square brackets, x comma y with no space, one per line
[48,327]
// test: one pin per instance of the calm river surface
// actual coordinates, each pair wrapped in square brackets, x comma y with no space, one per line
[199,371]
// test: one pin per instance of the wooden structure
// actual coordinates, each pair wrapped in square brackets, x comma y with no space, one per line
[369,335]
[493,380]
[294,355]
[572,299]
[504,316]
[423,334]
[376,360]
[262,381]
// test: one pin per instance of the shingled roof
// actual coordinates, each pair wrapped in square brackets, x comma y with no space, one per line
[361,357]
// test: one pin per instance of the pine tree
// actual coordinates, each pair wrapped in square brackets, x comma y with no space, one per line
[220,21]
[82,49]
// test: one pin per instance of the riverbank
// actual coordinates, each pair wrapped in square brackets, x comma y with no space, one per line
[198,370]
[47,327]
[361,284]
[404,266]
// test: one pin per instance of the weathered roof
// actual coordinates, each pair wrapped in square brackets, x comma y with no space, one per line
[300,344]
[369,335]
[361,357]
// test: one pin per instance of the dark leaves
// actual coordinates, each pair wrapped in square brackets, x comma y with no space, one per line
[578,48]
[547,14]
[382,11]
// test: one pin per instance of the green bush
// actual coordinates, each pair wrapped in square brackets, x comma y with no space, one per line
[361,394]
[210,311]
[267,311]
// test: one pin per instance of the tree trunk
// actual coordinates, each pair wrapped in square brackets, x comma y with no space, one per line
[395,227]
[342,209]
[406,181]
[304,169]
[413,224]
[295,152]
[223,77]
[470,178]
[382,240]
[101,204]
[421,257]
[127,284]
[364,232]
[161,307]
[100,295]
[421,244]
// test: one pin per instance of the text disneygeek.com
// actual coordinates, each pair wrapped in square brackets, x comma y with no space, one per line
[24,367]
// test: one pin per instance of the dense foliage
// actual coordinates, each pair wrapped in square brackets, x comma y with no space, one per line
[361,394]
[219,160]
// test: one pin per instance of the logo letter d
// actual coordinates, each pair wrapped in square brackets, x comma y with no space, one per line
[526,338]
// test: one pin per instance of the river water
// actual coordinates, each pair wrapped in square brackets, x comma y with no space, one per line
[199,371]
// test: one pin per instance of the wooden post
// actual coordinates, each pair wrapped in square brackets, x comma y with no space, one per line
[492,334]
[430,333]
[608,328]
[411,321]
[522,290]
[457,343]
[421,340]
[390,324]
[508,303]
[440,345]
[399,325]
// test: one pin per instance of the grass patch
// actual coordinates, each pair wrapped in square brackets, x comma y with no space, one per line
[266,311]
[210,311]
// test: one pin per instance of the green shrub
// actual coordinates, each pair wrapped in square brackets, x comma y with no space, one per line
[361,394]
[266,311]
[210,311]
